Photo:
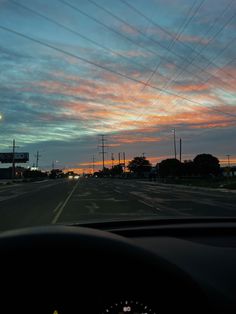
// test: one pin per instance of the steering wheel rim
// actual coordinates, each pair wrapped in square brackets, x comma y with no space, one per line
[91,256]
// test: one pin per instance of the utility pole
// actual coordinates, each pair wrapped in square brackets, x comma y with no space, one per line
[228,160]
[13,159]
[180,149]
[124,160]
[103,150]
[93,163]
[119,158]
[37,159]
[228,165]
[53,164]
[112,160]
[174,142]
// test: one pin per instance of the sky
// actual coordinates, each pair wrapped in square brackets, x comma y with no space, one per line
[72,70]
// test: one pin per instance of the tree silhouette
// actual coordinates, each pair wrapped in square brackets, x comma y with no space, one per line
[206,164]
[170,168]
[139,165]
[116,170]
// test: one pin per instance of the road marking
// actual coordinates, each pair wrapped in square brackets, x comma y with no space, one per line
[92,208]
[145,203]
[42,181]
[57,207]
[64,204]
[117,191]
[152,206]
[111,199]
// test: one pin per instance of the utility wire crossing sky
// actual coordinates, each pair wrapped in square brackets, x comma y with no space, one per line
[72,70]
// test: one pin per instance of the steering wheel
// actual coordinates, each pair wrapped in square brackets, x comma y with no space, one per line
[79,270]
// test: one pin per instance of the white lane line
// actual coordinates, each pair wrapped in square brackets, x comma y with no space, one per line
[64,204]
[57,207]
[117,191]
[145,203]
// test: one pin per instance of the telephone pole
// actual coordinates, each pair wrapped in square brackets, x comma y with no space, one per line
[37,159]
[119,158]
[180,149]
[124,160]
[228,165]
[13,158]
[112,160]
[103,150]
[228,160]
[174,143]
[93,163]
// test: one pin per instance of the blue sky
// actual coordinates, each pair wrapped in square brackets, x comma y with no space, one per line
[132,70]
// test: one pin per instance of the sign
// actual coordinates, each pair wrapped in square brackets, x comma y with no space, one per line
[18,157]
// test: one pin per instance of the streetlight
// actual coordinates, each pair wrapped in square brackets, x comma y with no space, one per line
[174,142]
[228,165]
[228,160]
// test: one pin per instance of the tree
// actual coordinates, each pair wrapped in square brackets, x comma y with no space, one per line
[206,164]
[139,165]
[170,167]
[188,168]
[30,174]
[116,170]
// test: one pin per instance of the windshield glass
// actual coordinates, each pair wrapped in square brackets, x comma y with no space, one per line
[116,109]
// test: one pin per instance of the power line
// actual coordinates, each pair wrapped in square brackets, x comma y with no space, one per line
[222,51]
[198,53]
[78,34]
[159,44]
[162,28]
[127,38]
[103,67]
[140,32]
[106,26]
[188,21]
[171,44]
[145,48]
[169,47]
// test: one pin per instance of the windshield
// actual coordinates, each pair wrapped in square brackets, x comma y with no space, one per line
[116,109]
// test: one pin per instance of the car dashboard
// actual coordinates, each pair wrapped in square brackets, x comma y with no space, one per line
[185,266]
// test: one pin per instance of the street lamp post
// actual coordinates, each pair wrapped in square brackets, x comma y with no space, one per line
[228,156]
[174,142]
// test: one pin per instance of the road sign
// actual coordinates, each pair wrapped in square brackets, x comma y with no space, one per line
[18,157]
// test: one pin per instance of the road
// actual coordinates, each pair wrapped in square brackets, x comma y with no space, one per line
[64,201]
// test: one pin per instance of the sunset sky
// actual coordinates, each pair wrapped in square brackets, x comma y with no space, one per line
[71,70]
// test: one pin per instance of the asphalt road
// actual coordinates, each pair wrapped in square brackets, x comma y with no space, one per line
[64,201]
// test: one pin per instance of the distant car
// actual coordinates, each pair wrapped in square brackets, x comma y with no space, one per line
[73,177]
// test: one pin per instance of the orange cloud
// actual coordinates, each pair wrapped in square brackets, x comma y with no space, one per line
[113,104]
[194,39]
[191,87]
[132,138]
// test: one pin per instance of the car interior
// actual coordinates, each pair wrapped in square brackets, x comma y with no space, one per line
[116,267]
